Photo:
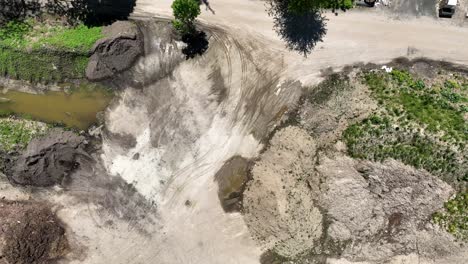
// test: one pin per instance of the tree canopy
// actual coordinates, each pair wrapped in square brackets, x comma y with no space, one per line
[185,12]
[302,6]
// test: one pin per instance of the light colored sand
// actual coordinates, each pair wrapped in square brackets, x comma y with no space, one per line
[183,135]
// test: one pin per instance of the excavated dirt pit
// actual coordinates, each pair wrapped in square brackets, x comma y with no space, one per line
[30,233]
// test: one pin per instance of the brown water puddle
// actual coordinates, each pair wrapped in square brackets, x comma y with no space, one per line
[77,109]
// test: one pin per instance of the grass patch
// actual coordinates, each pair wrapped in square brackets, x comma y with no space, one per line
[80,38]
[37,66]
[423,126]
[18,133]
[40,52]
[454,218]
[418,124]
[436,108]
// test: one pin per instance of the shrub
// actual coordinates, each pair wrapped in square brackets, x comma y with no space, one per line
[185,12]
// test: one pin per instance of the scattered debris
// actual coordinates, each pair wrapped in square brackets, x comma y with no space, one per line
[387,69]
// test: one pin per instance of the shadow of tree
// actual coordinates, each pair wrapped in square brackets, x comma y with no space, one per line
[90,12]
[104,12]
[196,42]
[18,10]
[301,32]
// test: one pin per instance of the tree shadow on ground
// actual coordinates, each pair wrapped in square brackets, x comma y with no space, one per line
[89,12]
[104,12]
[301,32]
[18,10]
[197,44]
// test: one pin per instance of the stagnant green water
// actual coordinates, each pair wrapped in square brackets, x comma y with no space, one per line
[77,109]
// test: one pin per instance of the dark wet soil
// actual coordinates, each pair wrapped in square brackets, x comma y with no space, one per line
[231,179]
[47,160]
[30,233]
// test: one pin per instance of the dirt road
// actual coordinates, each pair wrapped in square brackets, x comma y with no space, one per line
[364,35]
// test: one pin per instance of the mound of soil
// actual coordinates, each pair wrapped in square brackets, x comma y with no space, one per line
[47,160]
[278,203]
[116,52]
[30,234]
[231,179]
[305,205]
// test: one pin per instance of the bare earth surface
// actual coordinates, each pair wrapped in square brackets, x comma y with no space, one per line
[178,121]
[355,36]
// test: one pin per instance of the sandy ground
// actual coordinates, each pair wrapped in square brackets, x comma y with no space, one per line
[183,127]
[364,35]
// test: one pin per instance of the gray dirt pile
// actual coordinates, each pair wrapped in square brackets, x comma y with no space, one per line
[30,234]
[279,207]
[307,206]
[384,209]
[116,52]
[47,160]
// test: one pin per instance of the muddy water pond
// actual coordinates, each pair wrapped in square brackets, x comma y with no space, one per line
[76,109]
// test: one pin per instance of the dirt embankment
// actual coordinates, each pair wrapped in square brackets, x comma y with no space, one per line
[30,233]
[341,208]
[308,202]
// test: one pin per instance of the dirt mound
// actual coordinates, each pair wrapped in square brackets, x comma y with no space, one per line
[384,209]
[47,160]
[30,234]
[279,207]
[116,52]
[231,179]
[306,206]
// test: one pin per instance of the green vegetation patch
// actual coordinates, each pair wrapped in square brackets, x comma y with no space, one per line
[80,38]
[418,124]
[41,52]
[30,34]
[41,66]
[421,125]
[18,133]
[300,6]
[455,216]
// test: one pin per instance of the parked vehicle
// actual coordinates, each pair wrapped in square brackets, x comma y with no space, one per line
[447,8]
[370,3]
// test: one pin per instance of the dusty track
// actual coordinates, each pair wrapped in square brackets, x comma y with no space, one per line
[356,36]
